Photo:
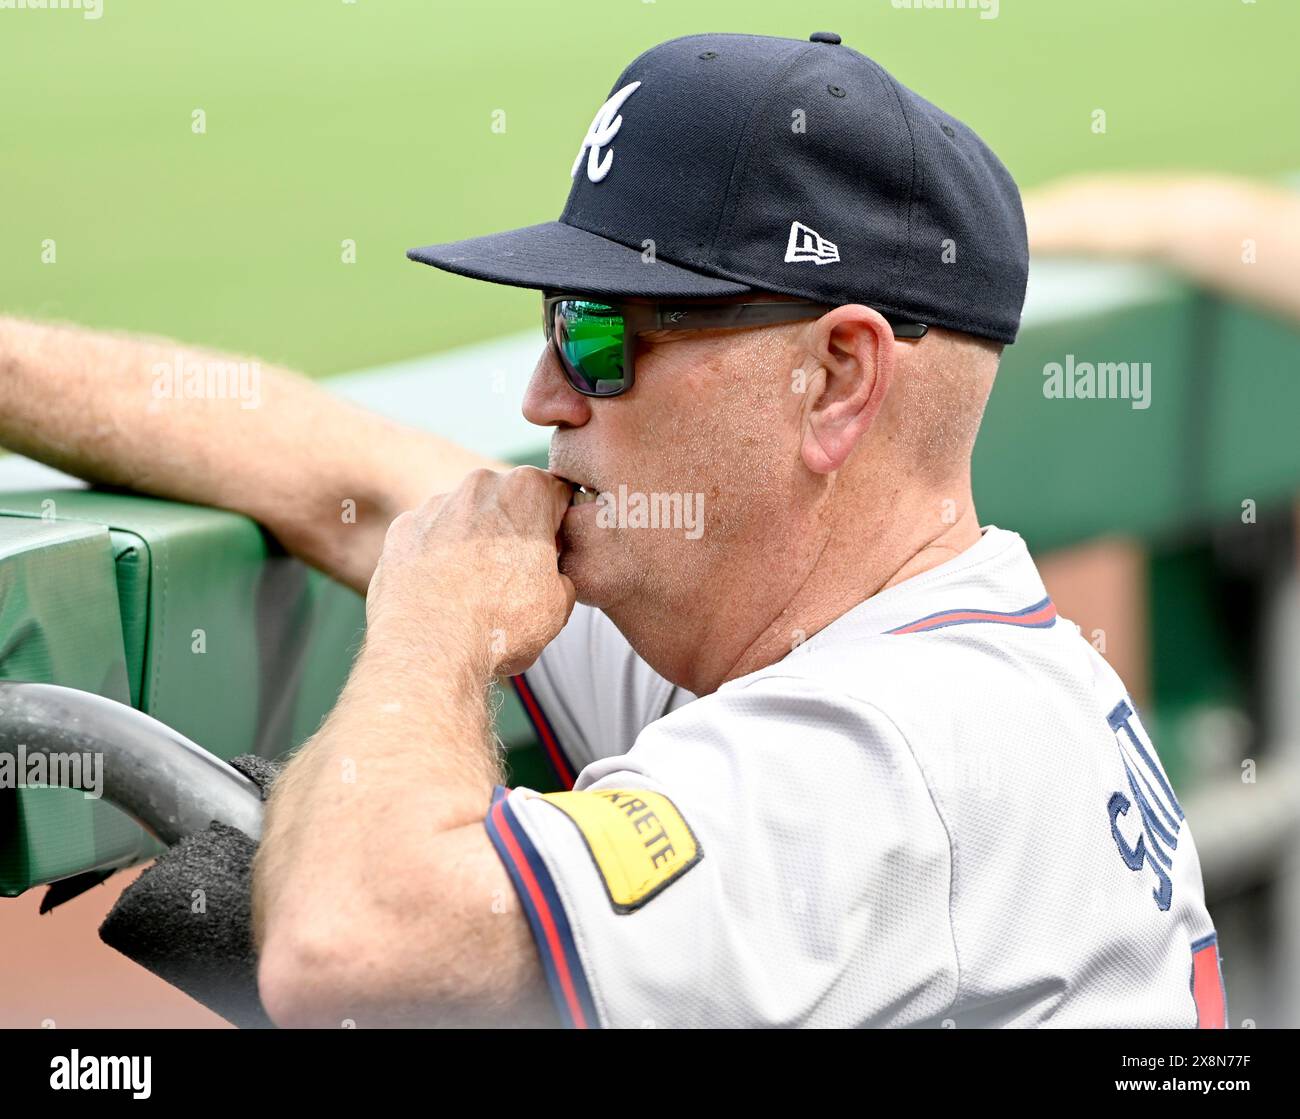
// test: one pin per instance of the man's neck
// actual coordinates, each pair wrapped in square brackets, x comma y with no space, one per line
[725,642]
[819,605]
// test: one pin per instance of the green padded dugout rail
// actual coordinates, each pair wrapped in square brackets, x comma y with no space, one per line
[59,620]
[207,625]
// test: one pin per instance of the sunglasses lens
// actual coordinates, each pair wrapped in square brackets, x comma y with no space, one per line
[589,337]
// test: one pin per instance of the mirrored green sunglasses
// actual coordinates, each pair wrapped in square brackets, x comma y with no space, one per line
[595,340]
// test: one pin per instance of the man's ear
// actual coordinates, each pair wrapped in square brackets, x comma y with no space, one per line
[854,346]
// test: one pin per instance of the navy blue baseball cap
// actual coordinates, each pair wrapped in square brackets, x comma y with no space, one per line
[725,164]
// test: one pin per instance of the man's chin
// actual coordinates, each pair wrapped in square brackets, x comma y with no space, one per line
[587,584]
[596,579]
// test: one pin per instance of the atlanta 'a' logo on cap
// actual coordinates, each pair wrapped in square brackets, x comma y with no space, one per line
[807,244]
[604,127]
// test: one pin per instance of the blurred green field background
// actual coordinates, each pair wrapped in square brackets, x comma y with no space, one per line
[372,121]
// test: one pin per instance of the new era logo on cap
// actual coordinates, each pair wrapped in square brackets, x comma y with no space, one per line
[807,244]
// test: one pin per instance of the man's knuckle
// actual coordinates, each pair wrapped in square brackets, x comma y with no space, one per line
[399,528]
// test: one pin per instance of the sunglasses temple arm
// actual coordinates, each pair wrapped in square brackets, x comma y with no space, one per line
[764,314]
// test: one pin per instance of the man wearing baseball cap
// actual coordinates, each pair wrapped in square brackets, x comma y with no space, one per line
[830,757]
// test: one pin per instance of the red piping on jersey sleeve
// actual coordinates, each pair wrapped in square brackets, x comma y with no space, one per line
[1207,985]
[1040,615]
[546,915]
[546,735]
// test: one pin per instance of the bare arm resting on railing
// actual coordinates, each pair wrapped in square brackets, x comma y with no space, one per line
[1235,236]
[193,425]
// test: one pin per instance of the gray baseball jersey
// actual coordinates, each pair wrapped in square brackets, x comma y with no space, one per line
[941,809]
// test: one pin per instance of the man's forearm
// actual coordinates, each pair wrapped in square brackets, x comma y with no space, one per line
[407,754]
[183,423]
[1240,238]
[1235,236]
[377,891]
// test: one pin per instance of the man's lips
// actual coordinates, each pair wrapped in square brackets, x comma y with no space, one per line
[582,494]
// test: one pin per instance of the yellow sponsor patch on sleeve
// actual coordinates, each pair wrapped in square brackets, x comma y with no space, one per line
[638,840]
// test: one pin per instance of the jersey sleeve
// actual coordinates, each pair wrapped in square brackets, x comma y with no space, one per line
[768,855]
[589,695]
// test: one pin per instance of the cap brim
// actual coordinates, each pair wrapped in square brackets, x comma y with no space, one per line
[562,257]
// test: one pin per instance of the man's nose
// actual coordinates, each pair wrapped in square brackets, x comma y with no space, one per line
[549,400]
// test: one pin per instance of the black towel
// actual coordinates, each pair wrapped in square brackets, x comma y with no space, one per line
[188,918]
